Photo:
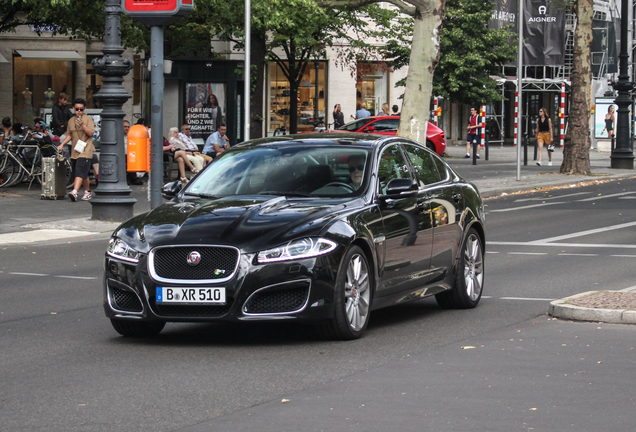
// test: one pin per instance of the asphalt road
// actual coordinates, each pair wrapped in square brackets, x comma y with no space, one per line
[63,368]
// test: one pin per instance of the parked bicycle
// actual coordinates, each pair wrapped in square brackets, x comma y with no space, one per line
[21,160]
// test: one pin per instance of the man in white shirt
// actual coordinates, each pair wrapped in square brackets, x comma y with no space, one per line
[217,143]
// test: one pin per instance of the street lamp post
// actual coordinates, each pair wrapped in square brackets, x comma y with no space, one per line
[112,200]
[622,155]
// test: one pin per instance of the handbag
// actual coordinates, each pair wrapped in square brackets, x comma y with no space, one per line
[80,146]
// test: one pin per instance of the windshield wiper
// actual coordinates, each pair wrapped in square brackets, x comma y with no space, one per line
[201,195]
[286,193]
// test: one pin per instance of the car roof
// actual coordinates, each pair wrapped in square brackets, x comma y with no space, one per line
[333,138]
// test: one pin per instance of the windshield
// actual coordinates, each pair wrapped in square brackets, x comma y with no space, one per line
[355,125]
[293,171]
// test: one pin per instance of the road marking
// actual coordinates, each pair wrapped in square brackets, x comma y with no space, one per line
[75,277]
[630,197]
[577,254]
[624,256]
[584,233]
[41,235]
[564,245]
[28,274]
[526,298]
[606,196]
[527,253]
[525,207]
[554,197]
[486,252]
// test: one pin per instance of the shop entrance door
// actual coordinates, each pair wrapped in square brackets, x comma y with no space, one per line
[371,87]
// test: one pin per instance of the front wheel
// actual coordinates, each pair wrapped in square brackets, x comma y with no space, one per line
[352,302]
[139,329]
[469,278]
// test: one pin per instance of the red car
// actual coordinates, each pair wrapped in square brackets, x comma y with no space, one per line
[388,125]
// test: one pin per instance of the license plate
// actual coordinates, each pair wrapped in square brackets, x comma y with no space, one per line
[198,295]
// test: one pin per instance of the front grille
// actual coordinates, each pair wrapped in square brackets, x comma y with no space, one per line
[194,310]
[171,263]
[277,300]
[125,300]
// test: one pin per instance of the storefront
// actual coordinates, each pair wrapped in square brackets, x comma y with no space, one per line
[278,94]
[38,78]
[372,88]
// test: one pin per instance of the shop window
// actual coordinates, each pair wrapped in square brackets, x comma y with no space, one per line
[36,86]
[372,86]
[279,92]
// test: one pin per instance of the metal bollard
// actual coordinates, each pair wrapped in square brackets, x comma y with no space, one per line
[525,150]
[536,148]
[475,147]
[486,143]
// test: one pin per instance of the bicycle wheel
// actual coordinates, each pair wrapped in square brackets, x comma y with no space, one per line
[7,169]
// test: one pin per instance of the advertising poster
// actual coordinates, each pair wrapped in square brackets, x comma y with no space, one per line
[601,110]
[205,106]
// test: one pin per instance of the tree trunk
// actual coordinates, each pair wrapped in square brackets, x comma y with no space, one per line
[576,153]
[424,58]
[257,60]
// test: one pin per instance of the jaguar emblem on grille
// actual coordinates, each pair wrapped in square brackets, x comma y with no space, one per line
[194,258]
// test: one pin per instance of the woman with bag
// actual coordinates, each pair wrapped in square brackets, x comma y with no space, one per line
[544,135]
[80,131]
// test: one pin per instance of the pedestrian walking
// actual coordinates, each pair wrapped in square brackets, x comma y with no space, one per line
[473,132]
[79,131]
[544,135]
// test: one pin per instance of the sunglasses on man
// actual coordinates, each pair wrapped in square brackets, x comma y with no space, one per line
[357,167]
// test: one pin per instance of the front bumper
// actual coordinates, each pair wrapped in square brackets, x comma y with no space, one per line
[301,290]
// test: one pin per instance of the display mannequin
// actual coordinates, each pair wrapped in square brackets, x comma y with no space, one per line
[27,110]
[49,98]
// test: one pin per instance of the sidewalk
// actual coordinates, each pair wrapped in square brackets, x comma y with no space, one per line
[26,218]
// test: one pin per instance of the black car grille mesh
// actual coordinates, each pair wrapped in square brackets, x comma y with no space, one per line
[278,301]
[125,300]
[216,263]
[193,311]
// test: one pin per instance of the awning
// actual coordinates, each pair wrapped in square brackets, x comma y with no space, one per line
[50,55]
[3,60]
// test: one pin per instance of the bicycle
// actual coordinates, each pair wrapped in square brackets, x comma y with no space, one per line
[21,160]
[20,157]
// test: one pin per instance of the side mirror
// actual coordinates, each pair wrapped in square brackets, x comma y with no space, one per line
[400,188]
[370,129]
[170,190]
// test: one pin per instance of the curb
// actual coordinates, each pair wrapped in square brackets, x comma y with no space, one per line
[562,309]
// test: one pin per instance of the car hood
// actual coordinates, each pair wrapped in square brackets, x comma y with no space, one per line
[249,223]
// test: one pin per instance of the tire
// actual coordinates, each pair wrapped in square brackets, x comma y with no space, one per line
[469,278]
[353,294]
[6,172]
[141,329]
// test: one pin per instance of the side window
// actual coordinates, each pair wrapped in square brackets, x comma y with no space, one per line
[423,164]
[392,165]
[388,125]
[441,168]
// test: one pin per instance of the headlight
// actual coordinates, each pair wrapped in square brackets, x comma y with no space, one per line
[119,249]
[297,249]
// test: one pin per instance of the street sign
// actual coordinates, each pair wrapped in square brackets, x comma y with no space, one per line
[157,12]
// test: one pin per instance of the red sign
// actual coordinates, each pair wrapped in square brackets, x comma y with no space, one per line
[152,6]
[157,12]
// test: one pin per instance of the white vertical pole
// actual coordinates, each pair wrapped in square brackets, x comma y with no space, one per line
[247,85]
[519,87]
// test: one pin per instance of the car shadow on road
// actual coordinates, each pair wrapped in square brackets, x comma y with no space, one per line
[284,333]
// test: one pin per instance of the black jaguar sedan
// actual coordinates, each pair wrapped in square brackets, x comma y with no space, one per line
[322,227]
